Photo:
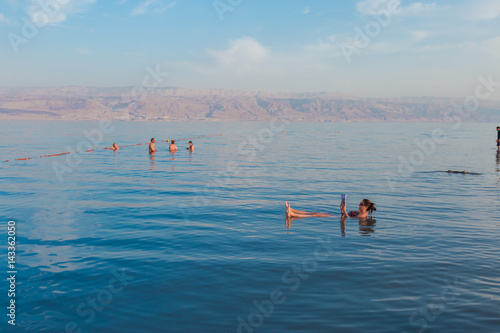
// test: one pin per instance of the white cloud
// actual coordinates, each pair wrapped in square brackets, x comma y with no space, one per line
[418,9]
[82,51]
[159,7]
[329,45]
[142,8]
[3,19]
[53,12]
[443,47]
[370,7]
[492,46]
[419,35]
[248,65]
[164,8]
[484,10]
[242,55]
[386,48]
[306,10]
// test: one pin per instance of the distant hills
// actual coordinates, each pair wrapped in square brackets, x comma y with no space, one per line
[180,104]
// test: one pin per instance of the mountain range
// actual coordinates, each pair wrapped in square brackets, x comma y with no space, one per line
[181,104]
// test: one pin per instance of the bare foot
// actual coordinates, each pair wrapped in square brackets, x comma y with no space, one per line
[288,211]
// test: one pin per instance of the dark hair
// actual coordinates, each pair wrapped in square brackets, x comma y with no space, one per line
[190,142]
[370,206]
[498,127]
[173,141]
[152,139]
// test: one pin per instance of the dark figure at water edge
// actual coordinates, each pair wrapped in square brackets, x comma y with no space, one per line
[365,207]
[498,137]
[191,146]
[152,148]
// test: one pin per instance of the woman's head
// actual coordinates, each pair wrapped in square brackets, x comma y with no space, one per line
[367,206]
[173,142]
[190,143]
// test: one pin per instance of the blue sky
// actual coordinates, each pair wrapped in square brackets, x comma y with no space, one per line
[414,48]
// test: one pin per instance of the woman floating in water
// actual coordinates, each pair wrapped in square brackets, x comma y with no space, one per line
[365,207]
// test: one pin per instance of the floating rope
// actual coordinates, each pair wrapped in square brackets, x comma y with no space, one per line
[91,150]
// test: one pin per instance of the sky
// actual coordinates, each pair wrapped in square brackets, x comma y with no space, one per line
[369,48]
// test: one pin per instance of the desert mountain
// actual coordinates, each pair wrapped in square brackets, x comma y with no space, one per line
[180,104]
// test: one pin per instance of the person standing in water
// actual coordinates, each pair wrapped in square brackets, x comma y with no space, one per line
[191,146]
[152,148]
[172,147]
[498,138]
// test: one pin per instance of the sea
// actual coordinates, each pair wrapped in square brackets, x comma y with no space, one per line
[122,241]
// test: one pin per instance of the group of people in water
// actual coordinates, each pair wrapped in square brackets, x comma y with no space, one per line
[365,207]
[152,149]
[171,148]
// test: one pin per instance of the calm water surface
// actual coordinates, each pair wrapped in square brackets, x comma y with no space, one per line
[123,242]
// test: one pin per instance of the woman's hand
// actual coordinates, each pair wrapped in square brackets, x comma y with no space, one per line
[343,209]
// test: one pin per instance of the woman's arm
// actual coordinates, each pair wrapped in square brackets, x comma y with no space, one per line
[343,209]
[345,213]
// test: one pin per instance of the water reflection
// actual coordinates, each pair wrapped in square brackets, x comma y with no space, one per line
[172,153]
[366,225]
[342,225]
[152,161]
[498,160]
